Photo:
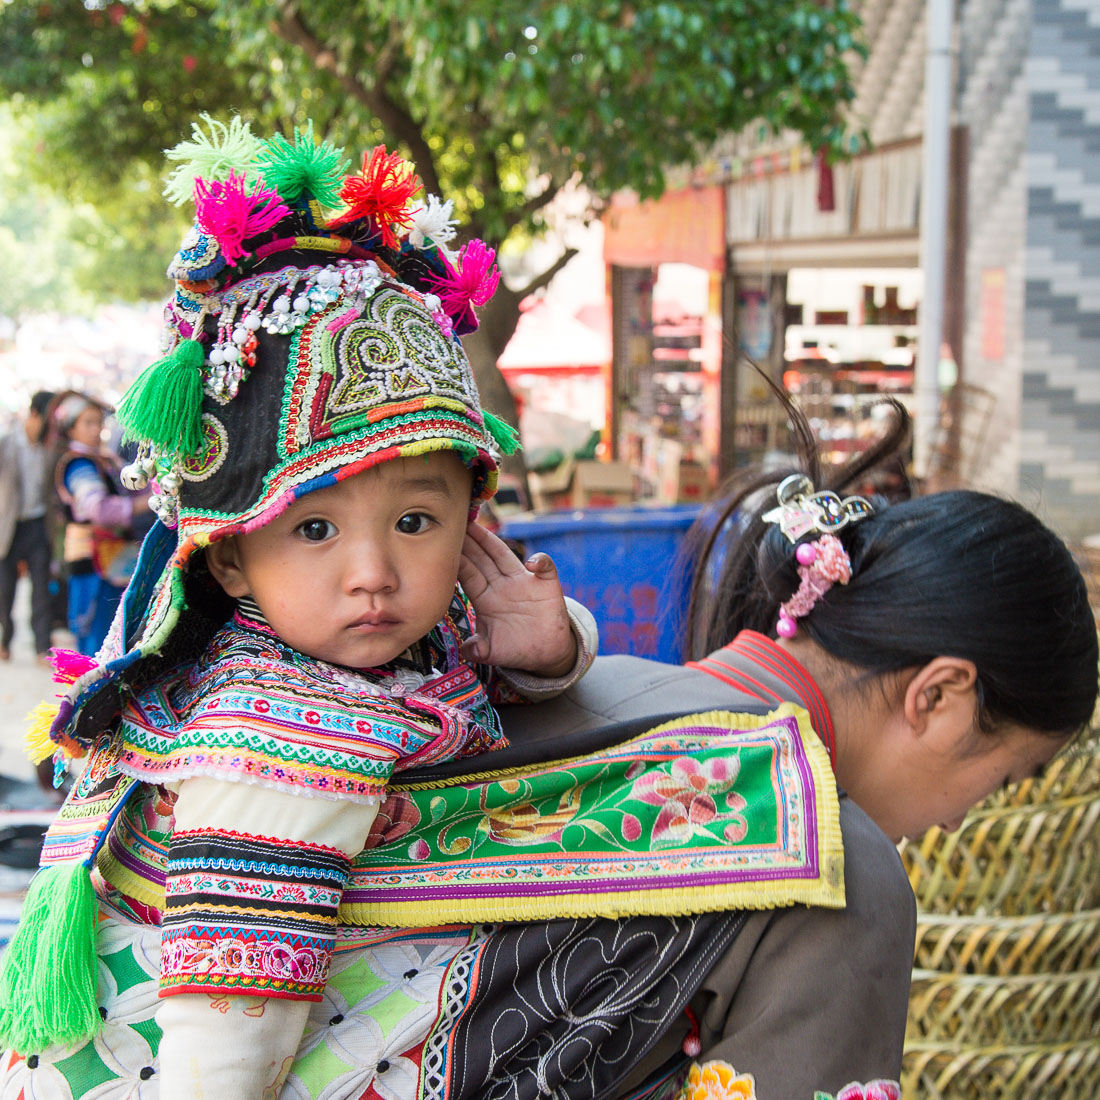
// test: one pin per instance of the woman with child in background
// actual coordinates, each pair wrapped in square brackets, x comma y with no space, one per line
[102,520]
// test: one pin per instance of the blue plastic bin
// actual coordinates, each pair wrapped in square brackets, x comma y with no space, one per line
[623,565]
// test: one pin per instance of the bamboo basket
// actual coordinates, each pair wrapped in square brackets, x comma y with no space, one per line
[1055,1071]
[1005,1001]
[1002,946]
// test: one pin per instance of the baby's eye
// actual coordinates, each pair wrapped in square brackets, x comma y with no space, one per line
[316,530]
[413,523]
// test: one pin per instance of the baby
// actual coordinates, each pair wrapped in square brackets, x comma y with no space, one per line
[325,613]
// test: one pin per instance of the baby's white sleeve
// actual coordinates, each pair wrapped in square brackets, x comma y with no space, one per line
[218,1041]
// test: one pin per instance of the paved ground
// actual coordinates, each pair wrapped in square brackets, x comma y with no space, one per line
[23,684]
[23,805]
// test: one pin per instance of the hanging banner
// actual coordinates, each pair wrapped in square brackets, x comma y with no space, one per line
[686,226]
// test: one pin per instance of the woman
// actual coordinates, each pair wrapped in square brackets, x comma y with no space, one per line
[960,655]
[99,515]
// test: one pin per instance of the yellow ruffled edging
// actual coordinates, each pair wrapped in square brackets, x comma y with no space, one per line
[36,740]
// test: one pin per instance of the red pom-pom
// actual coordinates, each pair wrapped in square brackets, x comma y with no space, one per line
[381,192]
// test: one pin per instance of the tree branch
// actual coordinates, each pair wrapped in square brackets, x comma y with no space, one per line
[533,205]
[539,281]
[394,118]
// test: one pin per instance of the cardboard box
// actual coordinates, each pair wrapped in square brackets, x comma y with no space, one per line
[692,484]
[602,485]
[583,484]
[680,481]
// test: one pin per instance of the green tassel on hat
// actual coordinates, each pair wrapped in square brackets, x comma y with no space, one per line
[504,435]
[303,166]
[164,405]
[49,974]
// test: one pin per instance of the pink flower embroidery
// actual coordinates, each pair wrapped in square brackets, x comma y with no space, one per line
[873,1090]
[689,795]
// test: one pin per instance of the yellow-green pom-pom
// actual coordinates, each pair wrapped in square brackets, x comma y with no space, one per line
[37,738]
[225,150]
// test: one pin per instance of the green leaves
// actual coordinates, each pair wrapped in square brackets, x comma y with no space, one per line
[510,97]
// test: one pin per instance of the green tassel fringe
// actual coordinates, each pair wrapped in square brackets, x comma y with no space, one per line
[505,436]
[164,405]
[49,973]
[303,167]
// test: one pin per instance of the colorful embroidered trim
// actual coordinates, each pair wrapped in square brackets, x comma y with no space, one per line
[249,913]
[203,960]
[96,799]
[255,710]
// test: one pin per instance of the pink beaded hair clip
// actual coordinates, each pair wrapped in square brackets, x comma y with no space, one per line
[823,561]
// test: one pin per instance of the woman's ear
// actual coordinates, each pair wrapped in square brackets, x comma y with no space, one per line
[942,691]
[224,562]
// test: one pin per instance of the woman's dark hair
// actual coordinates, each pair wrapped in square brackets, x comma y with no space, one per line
[959,573]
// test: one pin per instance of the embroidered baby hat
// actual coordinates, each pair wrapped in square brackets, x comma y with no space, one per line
[313,333]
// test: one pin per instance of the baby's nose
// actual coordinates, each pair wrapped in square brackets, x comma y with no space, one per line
[371,570]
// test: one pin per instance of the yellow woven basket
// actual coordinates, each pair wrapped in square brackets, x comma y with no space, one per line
[1005,1002]
[1053,1071]
[976,1009]
[1046,943]
[1009,860]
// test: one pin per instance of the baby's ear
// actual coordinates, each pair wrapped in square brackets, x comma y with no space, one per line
[223,561]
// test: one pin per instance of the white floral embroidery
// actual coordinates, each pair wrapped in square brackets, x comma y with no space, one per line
[125,1052]
[19,1081]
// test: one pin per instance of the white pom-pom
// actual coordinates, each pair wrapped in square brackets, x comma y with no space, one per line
[434,220]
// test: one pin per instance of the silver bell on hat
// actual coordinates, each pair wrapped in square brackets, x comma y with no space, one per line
[133,477]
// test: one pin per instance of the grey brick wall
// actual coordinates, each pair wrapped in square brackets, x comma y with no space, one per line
[1060,373]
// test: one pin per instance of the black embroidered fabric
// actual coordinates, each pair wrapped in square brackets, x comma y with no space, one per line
[567,1008]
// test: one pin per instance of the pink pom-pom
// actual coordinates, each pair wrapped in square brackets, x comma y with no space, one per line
[472,284]
[786,628]
[833,562]
[806,554]
[69,666]
[231,214]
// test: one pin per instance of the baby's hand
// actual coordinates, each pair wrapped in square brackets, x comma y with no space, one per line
[521,617]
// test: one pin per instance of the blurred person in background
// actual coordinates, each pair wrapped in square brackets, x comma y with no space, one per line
[103,521]
[24,494]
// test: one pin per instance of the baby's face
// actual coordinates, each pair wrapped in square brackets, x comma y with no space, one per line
[355,573]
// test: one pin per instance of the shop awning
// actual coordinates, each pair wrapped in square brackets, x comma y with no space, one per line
[550,338]
[686,226]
